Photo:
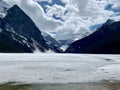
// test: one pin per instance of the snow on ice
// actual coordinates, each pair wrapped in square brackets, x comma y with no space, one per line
[58,68]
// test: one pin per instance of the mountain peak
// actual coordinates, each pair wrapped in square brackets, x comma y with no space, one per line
[16,6]
[109,21]
[18,22]
[16,14]
[15,9]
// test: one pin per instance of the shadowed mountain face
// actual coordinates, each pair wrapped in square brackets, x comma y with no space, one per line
[19,33]
[8,44]
[105,40]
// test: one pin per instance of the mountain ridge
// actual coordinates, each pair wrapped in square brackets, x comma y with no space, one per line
[22,31]
[104,41]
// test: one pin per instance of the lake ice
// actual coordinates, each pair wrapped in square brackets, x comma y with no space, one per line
[58,68]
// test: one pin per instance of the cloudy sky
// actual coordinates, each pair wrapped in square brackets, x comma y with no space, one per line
[69,18]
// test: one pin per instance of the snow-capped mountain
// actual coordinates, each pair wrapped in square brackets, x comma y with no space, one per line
[3,8]
[20,34]
[104,41]
[52,42]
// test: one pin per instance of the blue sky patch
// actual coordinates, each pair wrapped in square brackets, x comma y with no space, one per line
[44,5]
[94,27]
[110,8]
[57,18]
[116,9]
[58,2]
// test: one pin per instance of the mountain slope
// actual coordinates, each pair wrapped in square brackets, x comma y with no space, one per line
[49,39]
[52,43]
[22,31]
[8,44]
[105,40]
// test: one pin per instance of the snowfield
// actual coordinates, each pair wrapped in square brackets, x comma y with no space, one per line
[58,68]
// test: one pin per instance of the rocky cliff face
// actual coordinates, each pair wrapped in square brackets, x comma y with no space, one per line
[12,43]
[106,40]
[18,28]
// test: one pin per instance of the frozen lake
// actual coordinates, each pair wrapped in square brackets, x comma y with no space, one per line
[58,68]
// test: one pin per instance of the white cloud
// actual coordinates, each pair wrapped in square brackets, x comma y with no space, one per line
[81,14]
[43,0]
[57,10]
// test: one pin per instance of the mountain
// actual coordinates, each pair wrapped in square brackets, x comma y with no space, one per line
[10,42]
[20,34]
[3,8]
[106,40]
[52,42]
[67,37]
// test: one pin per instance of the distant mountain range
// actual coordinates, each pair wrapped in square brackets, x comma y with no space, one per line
[106,40]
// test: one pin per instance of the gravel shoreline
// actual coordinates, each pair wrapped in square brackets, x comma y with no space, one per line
[59,86]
